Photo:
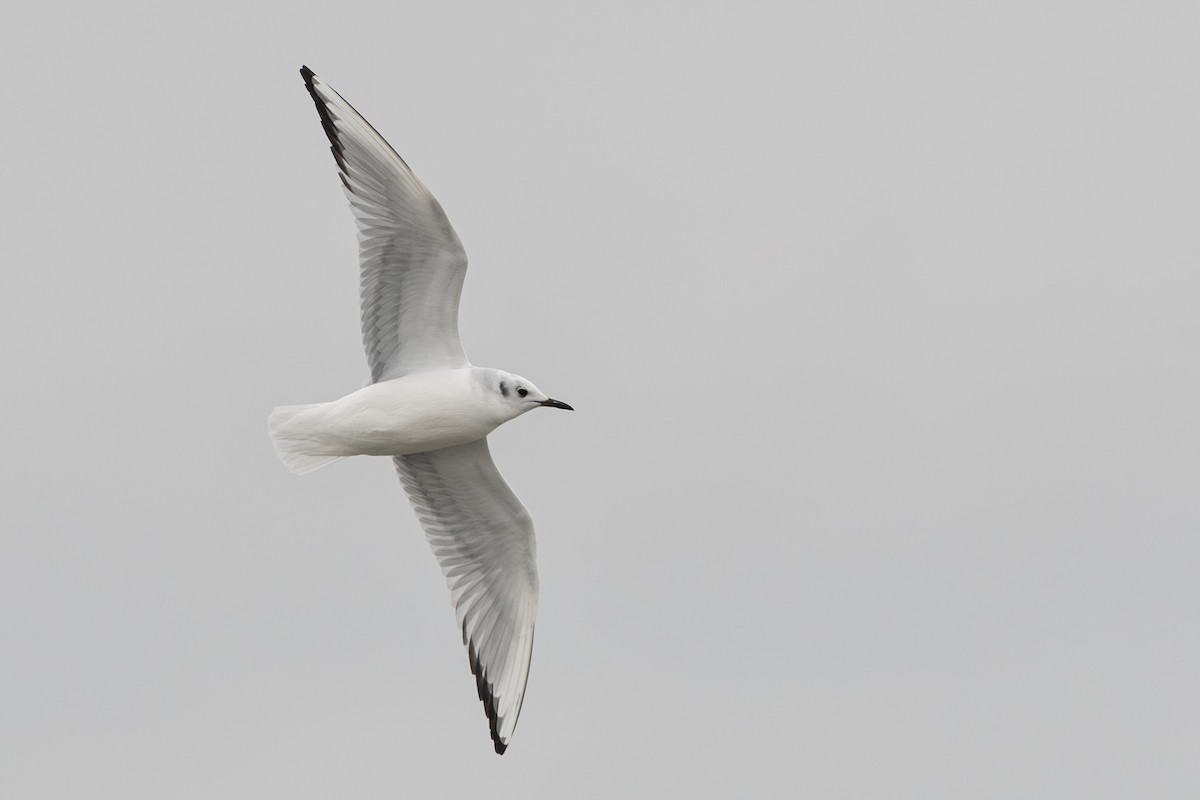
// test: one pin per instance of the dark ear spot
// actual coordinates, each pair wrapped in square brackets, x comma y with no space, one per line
[504,388]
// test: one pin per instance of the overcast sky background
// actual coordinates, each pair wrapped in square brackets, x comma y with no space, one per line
[881,324]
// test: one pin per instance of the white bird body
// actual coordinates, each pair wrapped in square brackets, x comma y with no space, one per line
[428,408]
[413,414]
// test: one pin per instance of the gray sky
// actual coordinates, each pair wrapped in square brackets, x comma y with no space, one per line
[881,324]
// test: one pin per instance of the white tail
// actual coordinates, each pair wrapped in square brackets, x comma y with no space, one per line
[293,439]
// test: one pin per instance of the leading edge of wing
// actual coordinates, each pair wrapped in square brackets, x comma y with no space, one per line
[412,263]
[484,542]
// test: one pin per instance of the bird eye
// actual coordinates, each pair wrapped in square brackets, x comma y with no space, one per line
[522,391]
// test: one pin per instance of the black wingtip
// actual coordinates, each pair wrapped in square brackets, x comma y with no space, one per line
[489,701]
[327,123]
[309,77]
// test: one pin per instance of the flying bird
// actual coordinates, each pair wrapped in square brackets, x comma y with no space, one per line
[428,407]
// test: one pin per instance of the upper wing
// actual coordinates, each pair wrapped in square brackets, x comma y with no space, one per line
[483,539]
[412,263]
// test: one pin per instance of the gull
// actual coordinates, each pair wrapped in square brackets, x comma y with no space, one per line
[429,408]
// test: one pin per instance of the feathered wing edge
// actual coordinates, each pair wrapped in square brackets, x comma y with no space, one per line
[483,540]
[412,263]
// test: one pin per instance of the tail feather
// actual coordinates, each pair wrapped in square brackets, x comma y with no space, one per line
[293,442]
